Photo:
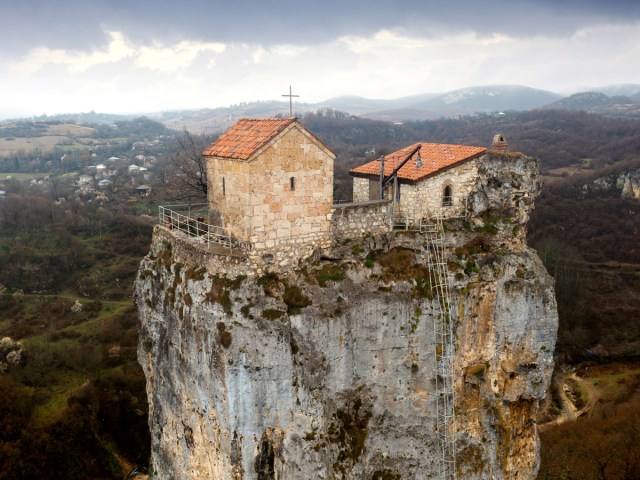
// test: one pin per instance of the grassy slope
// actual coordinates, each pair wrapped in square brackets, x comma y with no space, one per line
[604,442]
[81,373]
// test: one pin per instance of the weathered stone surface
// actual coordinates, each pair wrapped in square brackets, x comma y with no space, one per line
[327,371]
[12,354]
[626,182]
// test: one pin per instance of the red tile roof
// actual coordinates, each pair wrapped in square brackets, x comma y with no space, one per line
[247,136]
[435,157]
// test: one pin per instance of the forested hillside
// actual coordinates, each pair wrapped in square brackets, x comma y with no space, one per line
[78,388]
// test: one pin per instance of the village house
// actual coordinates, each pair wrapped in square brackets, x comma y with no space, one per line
[143,190]
[84,180]
[423,180]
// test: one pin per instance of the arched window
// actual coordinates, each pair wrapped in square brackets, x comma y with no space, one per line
[224,189]
[447,196]
[292,183]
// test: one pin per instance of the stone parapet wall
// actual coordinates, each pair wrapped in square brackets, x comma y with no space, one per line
[349,220]
[214,258]
[282,254]
[352,220]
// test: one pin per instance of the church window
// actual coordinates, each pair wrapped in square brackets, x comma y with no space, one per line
[224,188]
[292,183]
[447,197]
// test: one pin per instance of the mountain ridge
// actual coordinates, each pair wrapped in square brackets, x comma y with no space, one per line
[495,99]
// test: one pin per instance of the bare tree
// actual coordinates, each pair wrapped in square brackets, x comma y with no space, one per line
[187,178]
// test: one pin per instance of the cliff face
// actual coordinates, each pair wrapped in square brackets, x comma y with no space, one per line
[626,182]
[328,371]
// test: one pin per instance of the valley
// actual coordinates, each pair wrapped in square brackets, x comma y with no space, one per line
[80,374]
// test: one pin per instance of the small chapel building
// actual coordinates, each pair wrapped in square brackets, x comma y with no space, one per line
[428,179]
[270,189]
[271,185]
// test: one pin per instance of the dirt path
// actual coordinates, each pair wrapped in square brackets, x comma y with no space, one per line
[568,410]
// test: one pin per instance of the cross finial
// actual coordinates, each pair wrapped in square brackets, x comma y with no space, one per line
[290,101]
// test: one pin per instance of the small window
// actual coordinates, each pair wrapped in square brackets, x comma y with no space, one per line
[224,188]
[292,183]
[447,198]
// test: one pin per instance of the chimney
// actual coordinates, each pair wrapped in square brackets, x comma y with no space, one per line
[499,143]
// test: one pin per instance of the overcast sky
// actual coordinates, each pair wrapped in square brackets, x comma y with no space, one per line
[132,56]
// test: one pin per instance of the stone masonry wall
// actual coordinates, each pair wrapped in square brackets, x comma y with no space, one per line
[230,206]
[261,206]
[355,220]
[185,251]
[360,189]
[424,199]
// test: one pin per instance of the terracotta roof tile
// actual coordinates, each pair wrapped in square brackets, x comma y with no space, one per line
[247,136]
[435,157]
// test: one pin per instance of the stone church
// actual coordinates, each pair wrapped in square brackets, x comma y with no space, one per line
[271,187]
[271,184]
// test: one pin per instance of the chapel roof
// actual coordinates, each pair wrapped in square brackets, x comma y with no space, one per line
[435,158]
[247,137]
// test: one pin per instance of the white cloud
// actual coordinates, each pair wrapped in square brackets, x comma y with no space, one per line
[76,62]
[137,77]
[173,58]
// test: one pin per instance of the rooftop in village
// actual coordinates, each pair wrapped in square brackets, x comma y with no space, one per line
[436,157]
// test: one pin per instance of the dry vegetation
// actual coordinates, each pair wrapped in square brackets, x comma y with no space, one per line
[79,387]
[604,444]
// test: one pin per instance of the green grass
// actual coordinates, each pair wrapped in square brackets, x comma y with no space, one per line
[20,176]
[612,385]
[50,411]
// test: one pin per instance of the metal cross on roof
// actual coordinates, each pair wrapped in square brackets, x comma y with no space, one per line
[290,101]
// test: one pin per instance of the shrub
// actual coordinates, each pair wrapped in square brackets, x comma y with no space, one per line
[333,273]
[224,335]
[295,299]
[272,314]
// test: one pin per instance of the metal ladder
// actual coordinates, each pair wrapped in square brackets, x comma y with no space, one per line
[444,338]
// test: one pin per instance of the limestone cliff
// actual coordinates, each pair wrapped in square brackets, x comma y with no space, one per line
[327,371]
[626,182]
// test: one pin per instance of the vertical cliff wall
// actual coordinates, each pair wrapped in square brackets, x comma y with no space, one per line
[327,371]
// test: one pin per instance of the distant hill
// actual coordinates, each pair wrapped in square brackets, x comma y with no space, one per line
[416,107]
[621,90]
[612,100]
[25,138]
[466,101]
[361,105]
[596,102]
[85,118]
[493,98]
[216,120]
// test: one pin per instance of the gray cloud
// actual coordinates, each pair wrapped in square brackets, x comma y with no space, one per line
[80,25]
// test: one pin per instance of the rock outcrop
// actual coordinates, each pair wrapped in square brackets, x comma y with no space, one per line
[12,354]
[327,371]
[627,183]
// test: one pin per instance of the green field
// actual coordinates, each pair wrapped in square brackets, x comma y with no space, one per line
[47,137]
[20,176]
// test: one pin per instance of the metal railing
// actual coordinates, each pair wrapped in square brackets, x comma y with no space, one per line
[192,220]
